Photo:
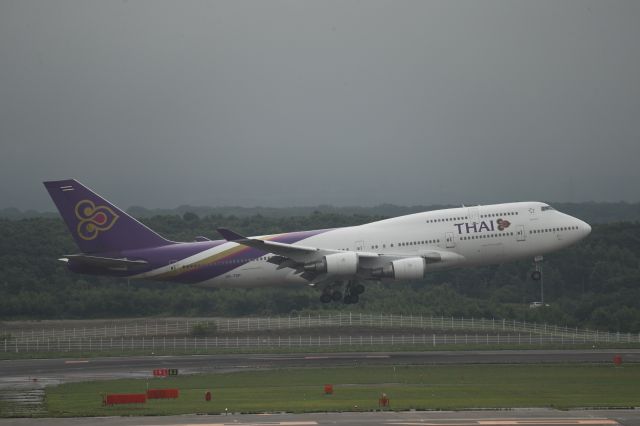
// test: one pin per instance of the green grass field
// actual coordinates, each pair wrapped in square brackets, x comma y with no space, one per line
[358,388]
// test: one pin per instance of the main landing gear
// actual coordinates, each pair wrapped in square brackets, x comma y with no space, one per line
[327,297]
[354,290]
[332,293]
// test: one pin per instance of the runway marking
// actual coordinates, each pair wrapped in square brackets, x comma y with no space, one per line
[316,357]
[549,422]
[274,358]
[251,424]
[430,424]
[513,422]
[378,356]
[79,361]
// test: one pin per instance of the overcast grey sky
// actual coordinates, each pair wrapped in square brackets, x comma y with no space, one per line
[291,103]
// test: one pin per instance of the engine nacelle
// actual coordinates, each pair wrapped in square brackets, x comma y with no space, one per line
[335,264]
[413,268]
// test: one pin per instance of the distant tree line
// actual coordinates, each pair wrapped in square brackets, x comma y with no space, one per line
[592,212]
[595,283]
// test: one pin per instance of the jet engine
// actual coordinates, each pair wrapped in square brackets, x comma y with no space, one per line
[335,264]
[412,268]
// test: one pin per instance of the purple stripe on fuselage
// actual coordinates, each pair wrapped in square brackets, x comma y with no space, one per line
[162,256]
[237,259]
[156,257]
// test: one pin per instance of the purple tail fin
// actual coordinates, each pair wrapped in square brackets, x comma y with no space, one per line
[96,224]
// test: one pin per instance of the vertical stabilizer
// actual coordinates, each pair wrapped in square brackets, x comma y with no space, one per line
[96,224]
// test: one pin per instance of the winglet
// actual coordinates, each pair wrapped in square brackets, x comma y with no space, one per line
[229,235]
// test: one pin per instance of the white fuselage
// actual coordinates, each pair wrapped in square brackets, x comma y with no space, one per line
[466,236]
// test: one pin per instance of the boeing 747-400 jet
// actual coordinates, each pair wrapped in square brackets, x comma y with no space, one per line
[338,261]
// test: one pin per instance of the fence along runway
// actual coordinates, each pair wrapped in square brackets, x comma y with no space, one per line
[313,331]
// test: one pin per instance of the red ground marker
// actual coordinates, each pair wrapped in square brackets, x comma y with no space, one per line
[124,398]
[162,393]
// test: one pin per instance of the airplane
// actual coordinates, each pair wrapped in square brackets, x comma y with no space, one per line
[338,262]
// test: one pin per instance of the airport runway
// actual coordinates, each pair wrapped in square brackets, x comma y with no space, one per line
[76,369]
[516,417]
[24,380]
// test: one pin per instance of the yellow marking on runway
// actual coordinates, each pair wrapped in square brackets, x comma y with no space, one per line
[471,423]
[513,422]
[548,422]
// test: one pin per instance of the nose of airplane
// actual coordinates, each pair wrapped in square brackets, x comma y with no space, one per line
[584,227]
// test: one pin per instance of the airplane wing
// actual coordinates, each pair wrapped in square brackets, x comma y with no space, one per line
[300,254]
[104,262]
[290,255]
[296,256]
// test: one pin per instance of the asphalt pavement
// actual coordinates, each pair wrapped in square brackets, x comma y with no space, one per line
[515,417]
[114,367]
[24,381]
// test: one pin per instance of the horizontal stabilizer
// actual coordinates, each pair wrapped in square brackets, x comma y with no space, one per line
[105,262]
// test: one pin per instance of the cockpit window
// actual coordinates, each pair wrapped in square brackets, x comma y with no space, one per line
[545,208]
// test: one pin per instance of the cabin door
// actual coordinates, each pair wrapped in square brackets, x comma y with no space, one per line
[448,238]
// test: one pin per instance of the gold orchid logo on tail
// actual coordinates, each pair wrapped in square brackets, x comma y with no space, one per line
[93,219]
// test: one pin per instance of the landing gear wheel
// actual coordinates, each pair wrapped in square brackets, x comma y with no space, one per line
[350,299]
[325,298]
[358,289]
[336,295]
[536,275]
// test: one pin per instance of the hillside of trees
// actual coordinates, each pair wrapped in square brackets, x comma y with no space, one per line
[595,283]
[592,212]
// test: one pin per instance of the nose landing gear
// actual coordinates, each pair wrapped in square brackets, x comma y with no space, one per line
[536,274]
